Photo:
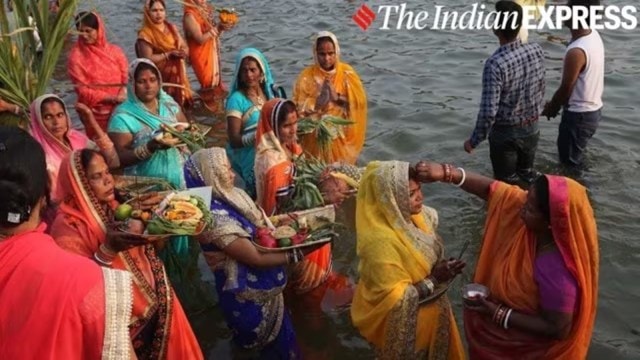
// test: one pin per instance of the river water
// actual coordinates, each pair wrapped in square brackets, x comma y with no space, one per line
[423,88]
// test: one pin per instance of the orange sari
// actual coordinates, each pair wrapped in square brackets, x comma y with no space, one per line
[173,71]
[159,328]
[506,265]
[345,81]
[275,170]
[205,57]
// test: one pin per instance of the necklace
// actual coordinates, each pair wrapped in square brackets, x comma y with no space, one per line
[256,98]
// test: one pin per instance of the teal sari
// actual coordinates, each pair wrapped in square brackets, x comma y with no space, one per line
[238,105]
[132,117]
[180,254]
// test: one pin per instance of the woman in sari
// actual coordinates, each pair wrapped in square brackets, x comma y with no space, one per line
[132,128]
[203,38]
[249,282]
[332,87]
[540,260]
[53,304]
[252,86]
[160,42]
[147,109]
[401,263]
[50,125]
[98,69]
[159,328]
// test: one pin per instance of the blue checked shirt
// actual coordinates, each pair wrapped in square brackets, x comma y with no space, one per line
[512,88]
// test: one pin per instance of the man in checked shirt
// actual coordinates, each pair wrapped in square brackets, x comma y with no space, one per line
[512,97]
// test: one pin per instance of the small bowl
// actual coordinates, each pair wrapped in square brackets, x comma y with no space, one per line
[472,291]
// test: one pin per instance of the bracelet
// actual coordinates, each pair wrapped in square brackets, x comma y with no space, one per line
[142,152]
[248,140]
[502,311]
[464,177]
[505,324]
[447,173]
[496,313]
[100,260]
[16,110]
[106,251]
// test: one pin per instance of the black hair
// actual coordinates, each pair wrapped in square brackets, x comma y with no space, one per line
[145,66]
[287,108]
[541,185]
[155,1]
[325,39]
[86,155]
[413,174]
[241,84]
[509,19]
[584,3]
[88,19]
[50,100]
[23,176]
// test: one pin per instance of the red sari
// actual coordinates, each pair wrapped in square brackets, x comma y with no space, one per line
[53,304]
[98,71]
[506,267]
[159,328]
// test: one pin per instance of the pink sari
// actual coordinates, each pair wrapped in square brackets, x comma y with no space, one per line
[54,149]
[57,305]
[98,71]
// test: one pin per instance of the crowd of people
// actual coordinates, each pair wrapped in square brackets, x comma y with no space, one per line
[118,295]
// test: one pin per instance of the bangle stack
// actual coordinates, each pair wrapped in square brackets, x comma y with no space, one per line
[104,256]
[425,287]
[142,152]
[294,256]
[248,140]
[501,316]
[448,173]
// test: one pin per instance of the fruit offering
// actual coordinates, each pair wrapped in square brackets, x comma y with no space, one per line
[228,16]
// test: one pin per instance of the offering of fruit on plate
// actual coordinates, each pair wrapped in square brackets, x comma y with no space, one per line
[182,133]
[228,16]
[293,234]
[175,215]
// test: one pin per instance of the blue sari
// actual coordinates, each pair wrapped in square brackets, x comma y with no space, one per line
[238,105]
[251,299]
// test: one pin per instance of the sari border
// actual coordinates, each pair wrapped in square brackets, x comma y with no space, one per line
[118,305]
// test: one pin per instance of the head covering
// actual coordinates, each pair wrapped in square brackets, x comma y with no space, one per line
[396,249]
[55,150]
[133,104]
[210,167]
[334,39]
[153,33]
[269,83]
[506,266]
[80,205]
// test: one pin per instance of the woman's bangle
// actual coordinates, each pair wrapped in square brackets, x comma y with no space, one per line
[447,173]
[248,140]
[464,177]
[142,152]
[101,261]
[16,109]
[505,324]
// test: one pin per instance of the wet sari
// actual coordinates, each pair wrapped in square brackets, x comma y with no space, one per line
[250,298]
[205,57]
[55,150]
[506,265]
[158,326]
[238,105]
[346,82]
[174,71]
[57,305]
[181,253]
[97,71]
[396,250]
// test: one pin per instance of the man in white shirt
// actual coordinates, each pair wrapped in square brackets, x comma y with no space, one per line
[580,92]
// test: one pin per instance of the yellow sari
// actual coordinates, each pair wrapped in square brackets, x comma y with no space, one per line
[397,250]
[346,81]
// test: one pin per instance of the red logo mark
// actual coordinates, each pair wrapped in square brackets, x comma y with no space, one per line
[364,17]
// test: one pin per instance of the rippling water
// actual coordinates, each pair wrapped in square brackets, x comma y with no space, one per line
[423,89]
